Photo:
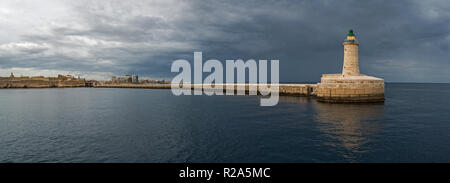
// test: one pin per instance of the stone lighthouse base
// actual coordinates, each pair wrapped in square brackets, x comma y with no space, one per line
[336,88]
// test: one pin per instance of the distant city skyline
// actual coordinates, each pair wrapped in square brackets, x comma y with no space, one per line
[401,41]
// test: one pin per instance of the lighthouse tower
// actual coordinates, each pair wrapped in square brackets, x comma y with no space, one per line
[351,66]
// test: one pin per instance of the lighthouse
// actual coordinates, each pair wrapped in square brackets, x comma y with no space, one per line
[351,66]
[350,86]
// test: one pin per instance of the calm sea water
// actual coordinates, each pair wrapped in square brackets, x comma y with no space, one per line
[140,125]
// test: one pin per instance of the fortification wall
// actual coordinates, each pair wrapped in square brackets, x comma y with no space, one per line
[39,82]
[72,83]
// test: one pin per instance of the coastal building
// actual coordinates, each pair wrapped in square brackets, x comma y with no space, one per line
[134,79]
[125,79]
[350,85]
[114,79]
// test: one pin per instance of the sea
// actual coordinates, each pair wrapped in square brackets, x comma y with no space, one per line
[153,125]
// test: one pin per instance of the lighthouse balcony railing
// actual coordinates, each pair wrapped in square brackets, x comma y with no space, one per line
[350,40]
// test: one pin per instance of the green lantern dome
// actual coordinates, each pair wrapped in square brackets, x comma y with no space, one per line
[350,33]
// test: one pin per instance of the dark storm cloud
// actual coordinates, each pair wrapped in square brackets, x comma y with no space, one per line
[399,40]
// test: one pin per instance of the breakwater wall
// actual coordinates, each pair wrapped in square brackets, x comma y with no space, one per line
[284,89]
[330,90]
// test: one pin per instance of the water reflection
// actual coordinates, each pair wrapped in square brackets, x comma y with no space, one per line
[348,127]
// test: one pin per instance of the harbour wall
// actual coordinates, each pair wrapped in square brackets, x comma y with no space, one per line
[284,89]
[361,89]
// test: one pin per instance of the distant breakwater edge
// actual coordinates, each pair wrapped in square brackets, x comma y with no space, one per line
[284,89]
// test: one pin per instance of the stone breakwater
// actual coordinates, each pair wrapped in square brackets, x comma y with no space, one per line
[284,89]
[332,89]
[130,85]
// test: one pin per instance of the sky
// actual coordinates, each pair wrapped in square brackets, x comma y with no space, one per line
[400,41]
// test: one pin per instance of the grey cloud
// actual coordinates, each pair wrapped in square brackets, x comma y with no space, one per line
[399,40]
